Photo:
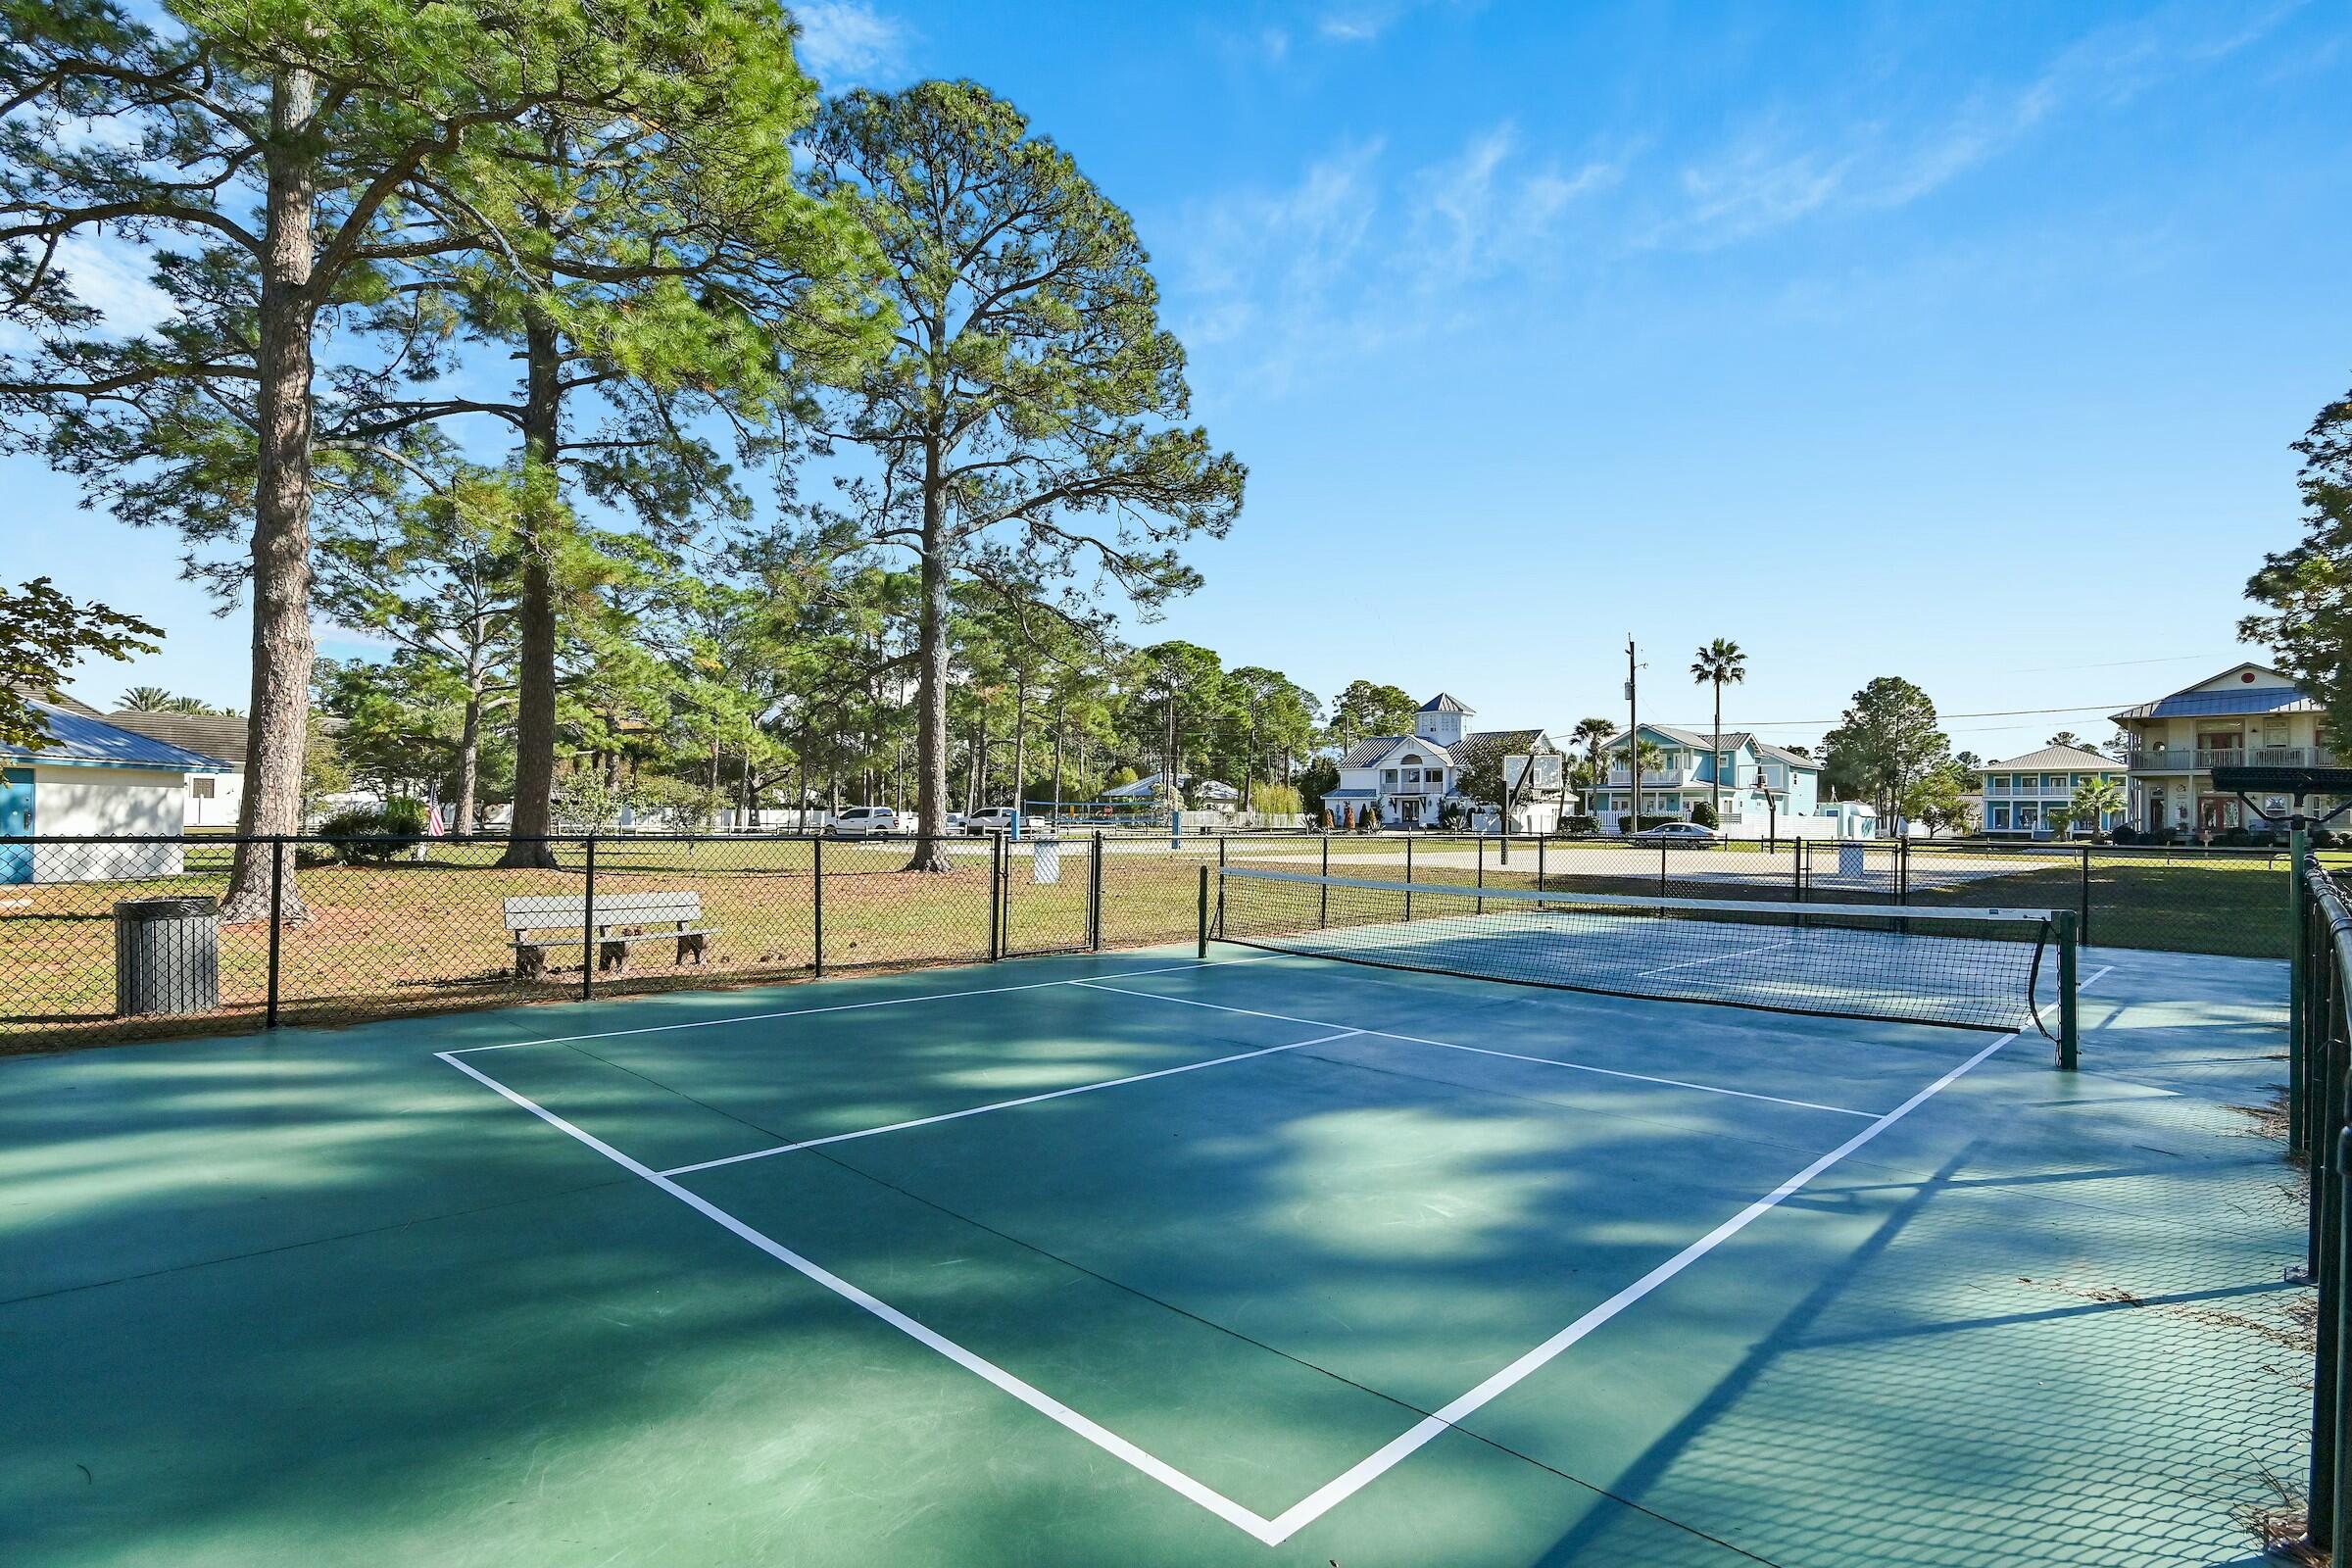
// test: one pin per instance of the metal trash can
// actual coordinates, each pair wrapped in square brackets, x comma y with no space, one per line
[1045,861]
[166,957]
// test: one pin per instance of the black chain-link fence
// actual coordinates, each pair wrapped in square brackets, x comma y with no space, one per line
[393,926]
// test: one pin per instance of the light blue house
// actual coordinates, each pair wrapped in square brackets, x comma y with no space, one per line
[2024,794]
[1761,783]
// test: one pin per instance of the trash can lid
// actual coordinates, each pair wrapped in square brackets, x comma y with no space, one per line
[179,909]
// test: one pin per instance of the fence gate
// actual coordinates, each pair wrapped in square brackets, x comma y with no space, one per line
[1050,892]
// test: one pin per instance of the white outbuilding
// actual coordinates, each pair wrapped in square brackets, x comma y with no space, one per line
[93,779]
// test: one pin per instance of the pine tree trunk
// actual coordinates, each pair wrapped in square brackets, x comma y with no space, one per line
[535,617]
[278,709]
[931,676]
[469,755]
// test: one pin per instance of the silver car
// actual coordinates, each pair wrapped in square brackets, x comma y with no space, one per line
[863,821]
[1680,835]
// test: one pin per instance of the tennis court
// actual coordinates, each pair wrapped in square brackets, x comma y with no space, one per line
[1218,1255]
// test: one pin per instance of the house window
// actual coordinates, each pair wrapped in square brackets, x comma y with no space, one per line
[201,786]
[1389,777]
[2000,816]
[2000,781]
[2053,781]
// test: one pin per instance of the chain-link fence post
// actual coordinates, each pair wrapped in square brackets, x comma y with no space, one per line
[277,925]
[1094,897]
[588,925]
[816,899]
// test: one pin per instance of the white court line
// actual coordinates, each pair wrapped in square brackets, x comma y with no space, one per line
[848,1007]
[1275,1531]
[1101,1437]
[1447,1045]
[1720,957]
[1004,1105]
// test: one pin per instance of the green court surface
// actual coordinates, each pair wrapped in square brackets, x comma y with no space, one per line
[1128,1259]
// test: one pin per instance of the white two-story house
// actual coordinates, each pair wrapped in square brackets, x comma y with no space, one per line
[1760,782]
[2248,715]
[1407,779]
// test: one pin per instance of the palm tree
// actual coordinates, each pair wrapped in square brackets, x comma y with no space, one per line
[1720,661]
[146,700]
[2094,801]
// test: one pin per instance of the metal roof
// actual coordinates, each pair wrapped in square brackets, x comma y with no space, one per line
[1445,703]
[2195,702]
[2200,704]
[2054,759]
[93,742]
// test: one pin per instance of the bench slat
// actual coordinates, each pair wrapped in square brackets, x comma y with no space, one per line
[541,911]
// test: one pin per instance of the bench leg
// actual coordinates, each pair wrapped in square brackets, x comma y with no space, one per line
[612,957]
[530,964]
[693,944]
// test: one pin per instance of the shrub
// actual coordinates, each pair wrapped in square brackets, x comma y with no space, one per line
[2234,838]
[1577,825]
[1654,821]
[1367,817]
[373,834]
[2125,833]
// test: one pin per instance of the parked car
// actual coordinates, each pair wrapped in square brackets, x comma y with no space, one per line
[992,819]
[1682,835]
[955,821]
[863,821]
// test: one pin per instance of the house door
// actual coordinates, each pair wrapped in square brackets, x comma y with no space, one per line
[15,822]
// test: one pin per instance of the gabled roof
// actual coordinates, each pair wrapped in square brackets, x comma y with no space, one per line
[1782,754]
[220,735]
[2196,702]
[1475,747]
[93,742]
[1679,737]
[2054,759]
[1445,703]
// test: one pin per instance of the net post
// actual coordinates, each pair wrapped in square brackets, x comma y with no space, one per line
[816,899]
[1541,839]
[1201,915]
[1408,877]
[2068,982]
[1482,868]
[588,925]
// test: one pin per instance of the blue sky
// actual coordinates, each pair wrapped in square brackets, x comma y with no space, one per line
[1961,343]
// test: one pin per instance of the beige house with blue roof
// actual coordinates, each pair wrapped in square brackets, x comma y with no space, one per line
[2247,716]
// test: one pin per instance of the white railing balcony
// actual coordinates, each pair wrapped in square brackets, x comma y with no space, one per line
[2204,759]
[1660,778]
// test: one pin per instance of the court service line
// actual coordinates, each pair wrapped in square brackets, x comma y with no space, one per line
[1004,1105]
[1257,1525]
[1720,957]
[1448,1044]
[848,1007]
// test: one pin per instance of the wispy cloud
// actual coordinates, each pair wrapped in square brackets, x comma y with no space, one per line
[1358,254]
[1781,167]
[844,42]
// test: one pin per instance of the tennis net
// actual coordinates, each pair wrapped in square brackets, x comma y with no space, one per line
[1969,968]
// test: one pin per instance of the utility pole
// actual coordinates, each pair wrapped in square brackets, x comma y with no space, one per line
[1633,738]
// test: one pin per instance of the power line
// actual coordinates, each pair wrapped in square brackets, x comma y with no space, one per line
[1997,712]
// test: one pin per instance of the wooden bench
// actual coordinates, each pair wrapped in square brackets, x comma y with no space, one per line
[541,924]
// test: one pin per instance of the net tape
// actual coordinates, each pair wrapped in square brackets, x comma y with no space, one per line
[1974,969]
